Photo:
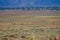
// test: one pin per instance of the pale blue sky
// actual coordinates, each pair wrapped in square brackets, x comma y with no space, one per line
[29,3]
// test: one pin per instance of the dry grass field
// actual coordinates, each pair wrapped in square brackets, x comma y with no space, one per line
[25,27]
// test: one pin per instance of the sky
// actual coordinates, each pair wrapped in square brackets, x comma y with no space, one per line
[29,3]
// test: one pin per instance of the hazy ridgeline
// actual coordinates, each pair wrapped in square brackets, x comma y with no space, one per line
[30,8]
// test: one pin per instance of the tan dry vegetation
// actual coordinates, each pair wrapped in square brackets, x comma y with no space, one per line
[42,27]
[46,21]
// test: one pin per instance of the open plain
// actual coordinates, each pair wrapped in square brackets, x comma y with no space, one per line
[29,25]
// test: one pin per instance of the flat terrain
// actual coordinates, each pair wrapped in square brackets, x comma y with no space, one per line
[28,27]
[30,12]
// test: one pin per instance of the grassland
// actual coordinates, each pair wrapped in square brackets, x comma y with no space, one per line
[25,27]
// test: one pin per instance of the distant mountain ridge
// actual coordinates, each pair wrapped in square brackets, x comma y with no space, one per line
[30,8]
